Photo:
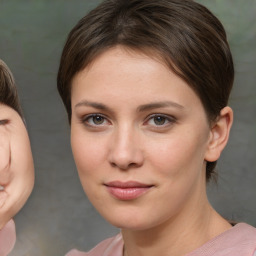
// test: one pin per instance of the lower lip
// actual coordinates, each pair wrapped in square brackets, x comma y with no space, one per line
[126,194]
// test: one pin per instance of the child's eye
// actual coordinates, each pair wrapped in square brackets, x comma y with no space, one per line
[160,120]
[95,120]
[4,121]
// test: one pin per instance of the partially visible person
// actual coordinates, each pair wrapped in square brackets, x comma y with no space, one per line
[16,162]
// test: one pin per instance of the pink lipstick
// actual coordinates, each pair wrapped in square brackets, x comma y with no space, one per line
[127,190]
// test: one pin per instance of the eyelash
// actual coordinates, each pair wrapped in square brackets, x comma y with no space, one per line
[167,120]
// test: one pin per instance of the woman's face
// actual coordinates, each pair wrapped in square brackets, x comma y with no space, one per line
[139,136]
[16,164]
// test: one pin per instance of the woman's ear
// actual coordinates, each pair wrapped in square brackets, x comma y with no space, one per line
[219,134]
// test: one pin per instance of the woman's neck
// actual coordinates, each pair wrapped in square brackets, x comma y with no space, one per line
[179,235]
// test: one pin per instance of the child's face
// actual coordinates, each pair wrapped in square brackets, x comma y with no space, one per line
[16,164]
[139,136]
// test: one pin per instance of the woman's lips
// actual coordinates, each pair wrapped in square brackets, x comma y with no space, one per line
[127,190]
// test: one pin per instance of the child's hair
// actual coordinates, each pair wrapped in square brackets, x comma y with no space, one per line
[8,91]
[184,35]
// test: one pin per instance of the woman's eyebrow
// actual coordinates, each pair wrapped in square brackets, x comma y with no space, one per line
[160,104]
[141,108]
[93,104]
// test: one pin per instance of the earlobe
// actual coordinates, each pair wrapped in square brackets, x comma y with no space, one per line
[219,134]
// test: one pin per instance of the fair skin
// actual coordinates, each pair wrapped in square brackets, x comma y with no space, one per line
[140,139]
[16,164]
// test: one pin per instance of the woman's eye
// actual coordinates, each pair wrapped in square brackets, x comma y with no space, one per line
[160,120]
[98,120]
[95,120]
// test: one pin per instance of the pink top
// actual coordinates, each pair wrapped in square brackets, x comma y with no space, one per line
[237,241]
[7,238]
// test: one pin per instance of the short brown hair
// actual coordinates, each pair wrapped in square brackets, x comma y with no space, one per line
[8,91]
[184,34]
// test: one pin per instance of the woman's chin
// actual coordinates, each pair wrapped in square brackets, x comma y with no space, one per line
[131,222]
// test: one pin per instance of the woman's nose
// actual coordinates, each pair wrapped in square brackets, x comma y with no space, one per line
[125,150]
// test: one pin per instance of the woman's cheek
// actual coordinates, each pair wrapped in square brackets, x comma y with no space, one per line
[88,150]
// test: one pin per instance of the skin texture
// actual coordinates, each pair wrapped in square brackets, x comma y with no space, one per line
[135,120]
[16,164]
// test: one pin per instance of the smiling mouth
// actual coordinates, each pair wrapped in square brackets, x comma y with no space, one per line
[127,190]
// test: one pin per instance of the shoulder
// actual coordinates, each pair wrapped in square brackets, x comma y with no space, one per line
[237,241]
[110,247]
[242,240]
[245,233]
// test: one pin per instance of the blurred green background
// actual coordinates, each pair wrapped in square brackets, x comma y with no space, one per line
[58,216]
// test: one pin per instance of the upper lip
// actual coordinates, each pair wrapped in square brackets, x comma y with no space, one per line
[127,184]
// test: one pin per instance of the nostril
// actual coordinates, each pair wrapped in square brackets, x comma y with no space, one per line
[113,164]
[124,166]
[121,166]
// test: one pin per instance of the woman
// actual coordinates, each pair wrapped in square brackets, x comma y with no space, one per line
[146,86]
[16,163]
